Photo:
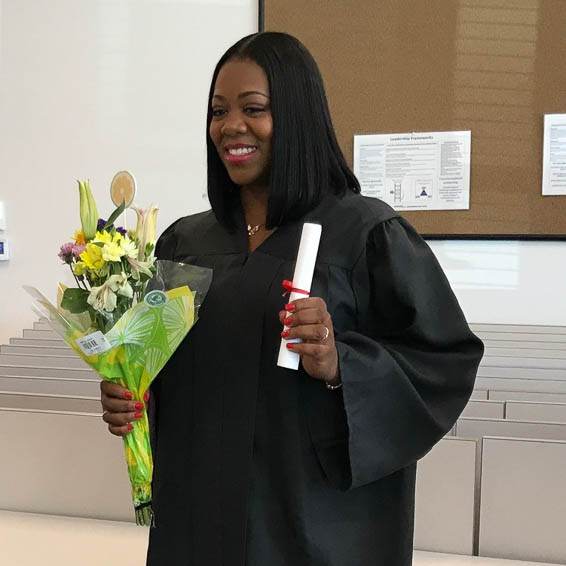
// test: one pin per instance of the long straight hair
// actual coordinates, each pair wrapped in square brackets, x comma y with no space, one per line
[306,160]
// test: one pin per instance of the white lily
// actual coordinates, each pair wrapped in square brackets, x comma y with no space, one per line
[88,211]
[120,284]
[139,267]
[145,229]
[102,298]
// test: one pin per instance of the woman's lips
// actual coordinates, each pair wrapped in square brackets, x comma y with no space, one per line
[239,154]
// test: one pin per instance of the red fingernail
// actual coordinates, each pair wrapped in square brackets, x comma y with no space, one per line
[284,334]
[288,321]
[128,395]
[130,427]
[139,415]
[290,346]
[146,396]
[139,406]
[289,307]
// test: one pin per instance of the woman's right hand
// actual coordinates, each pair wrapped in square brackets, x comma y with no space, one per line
[119,408]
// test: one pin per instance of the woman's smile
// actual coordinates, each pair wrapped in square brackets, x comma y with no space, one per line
[239,153]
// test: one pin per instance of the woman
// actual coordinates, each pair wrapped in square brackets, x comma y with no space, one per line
[261,465]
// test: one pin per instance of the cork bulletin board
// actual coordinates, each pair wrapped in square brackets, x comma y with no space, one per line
[494,67]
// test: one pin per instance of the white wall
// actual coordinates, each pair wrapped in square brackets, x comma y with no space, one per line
[508,282]
[90,87]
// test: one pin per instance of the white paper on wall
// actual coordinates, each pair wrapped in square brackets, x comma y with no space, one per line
[415,171]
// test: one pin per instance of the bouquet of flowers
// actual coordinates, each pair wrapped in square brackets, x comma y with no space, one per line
[126,316]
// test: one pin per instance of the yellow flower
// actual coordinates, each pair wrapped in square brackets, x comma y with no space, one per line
[92,257]
[79,237]
[79,268]
[129,248]
[103,237]
[112,252]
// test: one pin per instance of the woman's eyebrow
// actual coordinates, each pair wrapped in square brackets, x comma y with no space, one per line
[243,94]
[248,92]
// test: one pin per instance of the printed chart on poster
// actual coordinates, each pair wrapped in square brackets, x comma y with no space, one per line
[415,171]
[554,155]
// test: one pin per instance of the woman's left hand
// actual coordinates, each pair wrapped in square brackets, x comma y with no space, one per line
[309,320]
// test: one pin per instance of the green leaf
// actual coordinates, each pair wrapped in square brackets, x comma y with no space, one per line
[114,215]
[75,300]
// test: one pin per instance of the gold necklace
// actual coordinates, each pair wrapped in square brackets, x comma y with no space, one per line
[254,229]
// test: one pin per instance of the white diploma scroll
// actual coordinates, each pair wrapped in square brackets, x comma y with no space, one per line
[302,279]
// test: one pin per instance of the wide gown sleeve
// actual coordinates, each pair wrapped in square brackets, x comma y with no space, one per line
[409,369]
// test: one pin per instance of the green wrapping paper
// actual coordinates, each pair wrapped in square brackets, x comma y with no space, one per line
[134,351]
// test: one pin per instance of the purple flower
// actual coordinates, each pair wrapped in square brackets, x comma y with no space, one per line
[102,223]
[78,249]
[66,252]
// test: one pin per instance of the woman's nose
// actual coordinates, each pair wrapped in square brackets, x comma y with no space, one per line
[233,125]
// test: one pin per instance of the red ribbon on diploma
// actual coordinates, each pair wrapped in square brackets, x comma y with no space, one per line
[288,285]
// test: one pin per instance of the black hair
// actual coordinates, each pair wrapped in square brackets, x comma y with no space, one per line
[306,161]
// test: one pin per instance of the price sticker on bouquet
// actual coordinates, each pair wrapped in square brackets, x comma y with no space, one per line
[92,344]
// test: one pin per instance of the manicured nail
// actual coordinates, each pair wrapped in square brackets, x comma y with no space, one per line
[290,346]
[128,395]
[290,307]
[287,321]
[130,426]
[284,334]
[139,415]
[146,396]
[139,406]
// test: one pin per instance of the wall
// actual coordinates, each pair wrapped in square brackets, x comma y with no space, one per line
[507,282]
[90,88]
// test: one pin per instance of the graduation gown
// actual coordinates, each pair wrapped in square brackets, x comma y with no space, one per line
[257,465]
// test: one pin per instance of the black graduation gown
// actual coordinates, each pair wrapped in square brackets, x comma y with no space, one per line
[258,465]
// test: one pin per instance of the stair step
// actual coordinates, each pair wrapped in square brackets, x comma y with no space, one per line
[38,342]
[38,350]
[41,326]
[42,361]
[50,386]
[49,402]
[57,373]
[41,334]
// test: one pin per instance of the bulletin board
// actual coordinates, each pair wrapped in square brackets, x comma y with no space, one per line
[494,67]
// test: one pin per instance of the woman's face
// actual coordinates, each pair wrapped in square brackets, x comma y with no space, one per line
[242,126]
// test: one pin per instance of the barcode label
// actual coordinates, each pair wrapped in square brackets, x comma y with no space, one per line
[94,343]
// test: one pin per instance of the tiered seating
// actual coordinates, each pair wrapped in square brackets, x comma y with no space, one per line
[496,497]
[517,416]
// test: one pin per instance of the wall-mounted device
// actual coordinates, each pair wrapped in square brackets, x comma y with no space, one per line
[4,249]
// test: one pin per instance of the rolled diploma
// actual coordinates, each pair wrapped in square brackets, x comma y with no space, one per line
[302,279]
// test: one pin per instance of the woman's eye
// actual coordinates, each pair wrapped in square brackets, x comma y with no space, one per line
[254,109]
[218,112]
